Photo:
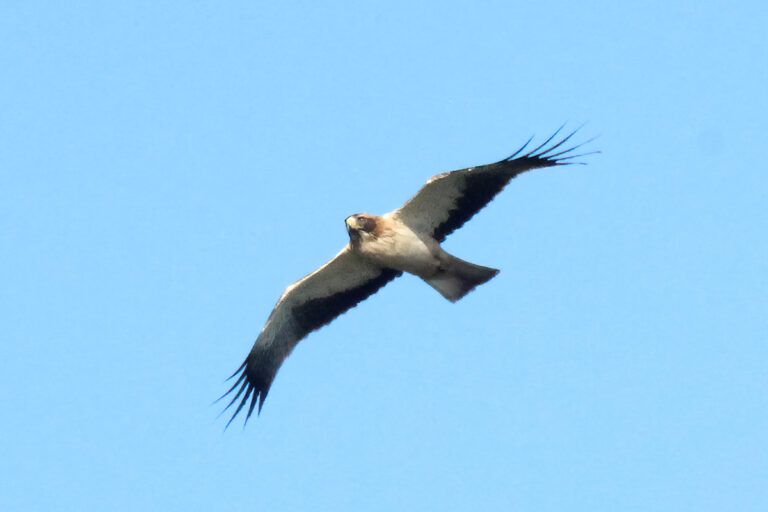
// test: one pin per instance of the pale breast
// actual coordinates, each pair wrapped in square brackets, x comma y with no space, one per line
[396,246]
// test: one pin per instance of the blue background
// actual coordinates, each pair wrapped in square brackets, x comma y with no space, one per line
[166,169]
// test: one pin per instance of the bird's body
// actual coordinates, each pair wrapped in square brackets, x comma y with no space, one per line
[380,249]
[388,242]
[392,244]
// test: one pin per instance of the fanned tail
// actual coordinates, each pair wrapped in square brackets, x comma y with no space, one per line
[459,277]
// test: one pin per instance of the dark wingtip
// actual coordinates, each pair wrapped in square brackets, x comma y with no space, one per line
[237,382]
[250,388]
[245,384]
[533,151]
[543,155]
[262,398]
[513,155]
[238,370]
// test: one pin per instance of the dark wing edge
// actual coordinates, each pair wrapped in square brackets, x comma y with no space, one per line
[481,187]
[258,371]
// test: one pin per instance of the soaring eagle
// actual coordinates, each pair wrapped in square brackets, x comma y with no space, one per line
[380,249]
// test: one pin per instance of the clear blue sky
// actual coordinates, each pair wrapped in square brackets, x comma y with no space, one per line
[166,169]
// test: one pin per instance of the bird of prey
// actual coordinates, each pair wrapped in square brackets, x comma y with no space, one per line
[380,249]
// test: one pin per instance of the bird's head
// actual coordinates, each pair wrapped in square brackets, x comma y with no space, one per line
[360,225]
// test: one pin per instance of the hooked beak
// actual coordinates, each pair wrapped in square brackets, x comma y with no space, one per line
[353,228]
[351,223]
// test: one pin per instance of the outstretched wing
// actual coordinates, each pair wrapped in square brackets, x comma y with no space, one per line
[450,199]
[305,306]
